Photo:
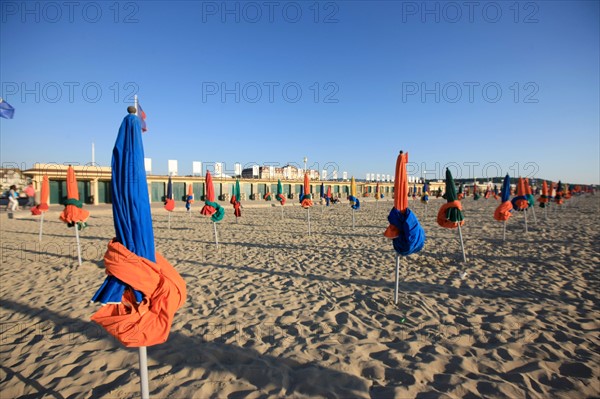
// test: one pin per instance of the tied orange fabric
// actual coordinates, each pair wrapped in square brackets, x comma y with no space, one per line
[502,213]
[441,216]
[521,204]
[460,196]
[391,232]
[169,204]
[72,214]
[306,203]
[148,322]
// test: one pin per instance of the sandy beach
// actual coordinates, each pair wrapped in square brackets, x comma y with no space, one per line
[275,313]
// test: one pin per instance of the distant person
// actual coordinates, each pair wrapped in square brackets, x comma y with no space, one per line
[13,204]
[30,192]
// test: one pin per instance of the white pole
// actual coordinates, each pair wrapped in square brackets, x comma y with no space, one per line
[353,219]
[526,231]
[135,103]
[216,237]
[41,226]
[308,216]
[397,278]
[144,372]
[534,217]
[78,244]
[281,212]
[504,232]
[169,220]
[461,243]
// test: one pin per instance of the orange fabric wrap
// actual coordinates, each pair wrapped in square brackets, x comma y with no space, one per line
[148,322]
[44,195]
[72,214]
[401,183]
[502,213]
[522,204]
[441,216]
[306,203]
[169,204]
[391,232]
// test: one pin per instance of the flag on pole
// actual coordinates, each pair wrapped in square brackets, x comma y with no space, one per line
[6,110]
[142,115]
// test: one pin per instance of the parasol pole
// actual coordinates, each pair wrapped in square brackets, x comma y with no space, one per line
[169,220]
[504,231]
[78,244]
[461,243]
[143,356]
[308,216]
[534,217]
[281,212]
[526,231]
[145,391]
[353,218]
[41,226]
[216,237]
[397,278]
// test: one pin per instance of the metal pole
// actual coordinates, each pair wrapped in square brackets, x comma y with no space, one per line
[397,278]
[144,372]
[461,243]
[504,232]
[526,231]
[78,244]
[353,219]
[216,237]
[169,220]
[41,226]
[534,217]
[308,216]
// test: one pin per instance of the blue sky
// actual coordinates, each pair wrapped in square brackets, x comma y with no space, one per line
[505,86]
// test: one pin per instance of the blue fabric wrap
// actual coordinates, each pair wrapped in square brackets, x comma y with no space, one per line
[130,203]
[514,202]
[327,200]
[412,235]
[505,189]
[301,194]
[356,205]
[169,189]
[322,191]
[188,205]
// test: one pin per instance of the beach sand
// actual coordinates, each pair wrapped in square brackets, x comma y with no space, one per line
[276,313]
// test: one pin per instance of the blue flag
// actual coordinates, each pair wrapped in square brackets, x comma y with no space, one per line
[6,110]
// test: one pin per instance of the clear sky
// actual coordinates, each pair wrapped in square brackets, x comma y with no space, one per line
[492,87]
